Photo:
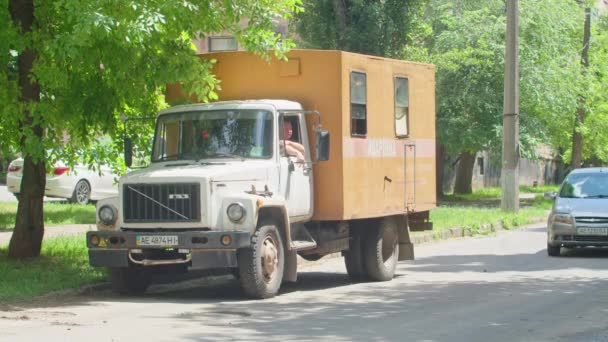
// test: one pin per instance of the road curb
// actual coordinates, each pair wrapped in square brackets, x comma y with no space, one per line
[461,232]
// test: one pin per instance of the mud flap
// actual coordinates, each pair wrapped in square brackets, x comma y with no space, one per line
[406,251]
[290,272]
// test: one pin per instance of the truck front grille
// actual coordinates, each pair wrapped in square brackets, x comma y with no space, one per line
[176,202]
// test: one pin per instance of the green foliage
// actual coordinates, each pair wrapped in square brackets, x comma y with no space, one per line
[596,123]
[484,195]
[467,44]
[541,202]
[477,195]
[541,189]
[551,79]
[54,214]
[98,60]
[474,218]
[469,54]
[63,265]
[373,27]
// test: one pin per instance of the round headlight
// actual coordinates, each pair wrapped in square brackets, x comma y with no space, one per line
[236,212]
[107,215]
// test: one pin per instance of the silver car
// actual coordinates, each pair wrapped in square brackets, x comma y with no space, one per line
[579,217]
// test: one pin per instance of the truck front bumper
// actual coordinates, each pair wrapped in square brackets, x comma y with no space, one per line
[196,249]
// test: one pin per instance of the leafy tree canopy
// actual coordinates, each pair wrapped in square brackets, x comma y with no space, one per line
[466,40]
[99,59]
[366,26]
[595,83]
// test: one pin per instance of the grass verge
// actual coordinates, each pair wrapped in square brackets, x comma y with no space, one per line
[474,218]
[54,214]
[63,264]
[541,189]
[496,193]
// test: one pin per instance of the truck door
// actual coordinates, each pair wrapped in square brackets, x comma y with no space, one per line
[410,176]
[295,166]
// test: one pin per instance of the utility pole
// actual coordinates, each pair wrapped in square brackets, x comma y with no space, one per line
[510,118]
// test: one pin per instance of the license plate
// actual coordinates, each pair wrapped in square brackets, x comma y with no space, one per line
[592,231]
[157,240]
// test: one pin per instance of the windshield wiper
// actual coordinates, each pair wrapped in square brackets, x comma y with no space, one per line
[167,157]
[225,155]
[179,156]
[597,196]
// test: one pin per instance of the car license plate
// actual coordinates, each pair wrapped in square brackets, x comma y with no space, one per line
[592,231]
[157,240]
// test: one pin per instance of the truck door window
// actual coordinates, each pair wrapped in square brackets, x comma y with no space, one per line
[358,104]
[291,138]
[402,106]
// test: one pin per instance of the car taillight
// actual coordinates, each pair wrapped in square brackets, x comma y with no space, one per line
[13,168]
[60,170]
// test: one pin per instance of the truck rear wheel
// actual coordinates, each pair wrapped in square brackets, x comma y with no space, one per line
[261,265]
[381,250]
[129,280]
[353,257]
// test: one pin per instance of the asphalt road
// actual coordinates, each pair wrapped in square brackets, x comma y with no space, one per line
[500,288]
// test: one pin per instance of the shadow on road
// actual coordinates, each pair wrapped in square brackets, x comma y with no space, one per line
[570,258]
[328,306]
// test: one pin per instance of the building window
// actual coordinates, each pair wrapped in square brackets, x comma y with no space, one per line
[358,104]
[480,163]
[402,106]
[222,44]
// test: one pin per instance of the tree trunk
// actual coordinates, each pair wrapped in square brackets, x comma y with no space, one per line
[439,155]
[577,137]
[464,173]
[340,11]
[26,240]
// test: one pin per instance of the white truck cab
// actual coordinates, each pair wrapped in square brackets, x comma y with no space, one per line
[219,172]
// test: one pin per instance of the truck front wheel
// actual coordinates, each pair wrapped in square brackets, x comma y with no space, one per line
[381,250]
[129,280]
[261,265]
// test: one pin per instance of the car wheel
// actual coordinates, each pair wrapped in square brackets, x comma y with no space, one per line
[82,192]
[553,250]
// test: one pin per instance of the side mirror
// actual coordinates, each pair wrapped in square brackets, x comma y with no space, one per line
[322,146]
[550,195]
[128,152]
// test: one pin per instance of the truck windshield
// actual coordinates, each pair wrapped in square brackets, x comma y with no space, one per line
[213,134]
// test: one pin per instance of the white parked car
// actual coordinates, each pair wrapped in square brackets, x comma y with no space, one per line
[78,184]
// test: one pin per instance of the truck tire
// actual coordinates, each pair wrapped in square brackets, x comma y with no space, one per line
[129,280]
[353,257]
[261,265]
[381,250]
[553,250]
